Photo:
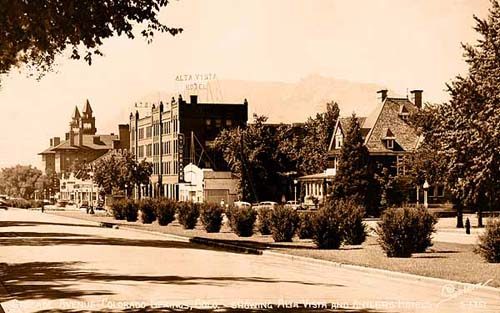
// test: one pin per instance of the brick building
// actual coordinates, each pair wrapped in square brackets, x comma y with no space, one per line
[387,135]
[82,143]
[175,134]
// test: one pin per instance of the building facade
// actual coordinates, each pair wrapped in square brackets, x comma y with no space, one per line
[205,184]
[82,144]
[175,134]
[387,135]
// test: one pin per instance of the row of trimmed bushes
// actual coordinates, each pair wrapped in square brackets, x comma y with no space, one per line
[401,231]
[23,203]
[334,224]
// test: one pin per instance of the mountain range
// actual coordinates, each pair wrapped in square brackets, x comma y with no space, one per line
[286,101]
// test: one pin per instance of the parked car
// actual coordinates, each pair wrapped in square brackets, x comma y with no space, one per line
[3,205]
[84,205]
[266,204]
[296,205]
[61,203]
[242,204]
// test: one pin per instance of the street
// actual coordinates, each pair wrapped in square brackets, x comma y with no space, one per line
[51,263]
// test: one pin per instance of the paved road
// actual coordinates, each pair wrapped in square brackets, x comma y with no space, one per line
[51,262]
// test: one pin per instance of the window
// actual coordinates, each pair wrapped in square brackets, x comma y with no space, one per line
[389,143]
[339,141]
[229,123]
[148,132]
[400,165]
[208,122]
[218,123]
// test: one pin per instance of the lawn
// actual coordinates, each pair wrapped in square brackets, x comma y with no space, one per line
[442,260]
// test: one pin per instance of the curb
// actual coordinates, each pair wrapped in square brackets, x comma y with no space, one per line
[382,272]
[228,246]
[358,268]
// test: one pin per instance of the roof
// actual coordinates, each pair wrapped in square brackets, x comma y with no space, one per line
[87,108]
[101,142]
[389,122]
[76,114]
[384,123]
[317,176]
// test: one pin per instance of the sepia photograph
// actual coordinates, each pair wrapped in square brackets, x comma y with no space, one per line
[250,156]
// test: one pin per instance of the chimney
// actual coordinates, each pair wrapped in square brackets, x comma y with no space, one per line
[71,137]
[194,99]
[56,141]
[416,98]
[382,95]
[124,136]
[51,142]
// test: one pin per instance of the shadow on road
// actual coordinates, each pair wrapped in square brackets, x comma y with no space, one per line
[58,280]
[220,309]
[36,223]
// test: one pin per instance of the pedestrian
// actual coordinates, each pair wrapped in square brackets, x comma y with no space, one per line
[467,226]
[43,207]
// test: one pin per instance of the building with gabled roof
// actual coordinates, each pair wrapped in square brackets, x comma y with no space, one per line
[387,135]
[82,143]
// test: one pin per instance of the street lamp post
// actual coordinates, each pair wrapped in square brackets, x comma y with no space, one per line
[426,188]
[126,190]
[295,182]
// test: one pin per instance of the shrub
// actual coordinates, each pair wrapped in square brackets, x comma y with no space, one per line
[241,220]
[36,203]
[426,227]
[211,217]
[306,224]
[147,208]
[165,211]
[187,214]
[351,216]
[130,210]
[327,227]
[404,231]
[264,219]
[19,203]
[118,209]
[489,242]
[284,222]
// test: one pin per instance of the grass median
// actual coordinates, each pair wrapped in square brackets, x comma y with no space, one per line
[443,260]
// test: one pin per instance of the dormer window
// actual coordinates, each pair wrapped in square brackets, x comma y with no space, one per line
[339,141]
[403,112]
[389,139]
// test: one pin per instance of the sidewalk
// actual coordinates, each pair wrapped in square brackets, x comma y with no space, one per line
[443,260]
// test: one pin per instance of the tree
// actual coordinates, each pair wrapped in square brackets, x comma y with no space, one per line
[354,179]
[467,132]
[251,152]
[308,148]
[19,181]
[118,171]
[33,33]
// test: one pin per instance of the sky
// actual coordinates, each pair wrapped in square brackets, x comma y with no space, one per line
[399,44]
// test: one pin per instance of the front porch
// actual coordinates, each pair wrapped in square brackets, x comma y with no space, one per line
[315,187]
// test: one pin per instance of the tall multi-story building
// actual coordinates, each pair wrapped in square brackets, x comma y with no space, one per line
[82,143]
[174,134]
